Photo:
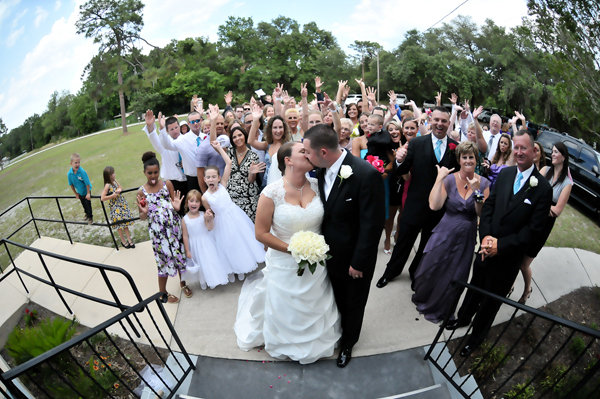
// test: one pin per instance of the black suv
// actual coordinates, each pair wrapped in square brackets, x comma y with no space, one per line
[584,163]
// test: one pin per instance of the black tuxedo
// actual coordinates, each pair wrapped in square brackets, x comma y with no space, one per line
[416,216]
[352,225]
[514,219]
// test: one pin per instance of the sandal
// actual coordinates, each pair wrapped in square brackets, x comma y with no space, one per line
[125,245]
[186,291]
[169,298]
[525,296]
[131,244]
[387,251]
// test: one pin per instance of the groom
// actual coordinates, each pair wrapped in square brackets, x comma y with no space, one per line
[353,198]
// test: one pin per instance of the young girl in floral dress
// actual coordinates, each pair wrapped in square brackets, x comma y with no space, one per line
[119,208]
[158,202]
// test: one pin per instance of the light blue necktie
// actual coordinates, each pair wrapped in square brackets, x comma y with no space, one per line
[179,163]
[197,141]
[438,152]
[517,185]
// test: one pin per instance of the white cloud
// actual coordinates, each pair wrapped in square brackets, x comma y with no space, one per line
[14,36]
[17,19]
[56,63]
[57,5]
[40,16]
[6,8]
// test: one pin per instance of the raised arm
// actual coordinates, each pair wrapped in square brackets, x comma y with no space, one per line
[253,134]
[340,91]
[363,92]
[213,112]
[438,195]
[227,171]
[304,103]
[481,144]
[277,98]
[333,108]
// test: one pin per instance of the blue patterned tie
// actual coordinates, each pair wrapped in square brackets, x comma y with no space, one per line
[438,152]
[197,141]
[517,185]
[180,164]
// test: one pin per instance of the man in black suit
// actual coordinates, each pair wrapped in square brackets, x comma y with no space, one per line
[353,198]
[420,159]
[513,214]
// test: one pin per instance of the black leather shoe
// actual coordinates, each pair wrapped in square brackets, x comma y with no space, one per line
[467,350]
[382,282]
[344,357]
[454,324]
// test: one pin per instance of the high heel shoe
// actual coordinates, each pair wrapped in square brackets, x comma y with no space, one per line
[525,296]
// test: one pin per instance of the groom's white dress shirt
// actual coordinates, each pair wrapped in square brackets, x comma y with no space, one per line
[331,173]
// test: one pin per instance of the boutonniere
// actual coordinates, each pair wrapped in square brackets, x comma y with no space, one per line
[533,181]
[345,172]
[451,146]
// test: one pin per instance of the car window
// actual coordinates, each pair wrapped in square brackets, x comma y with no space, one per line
[573,150]
[588,159]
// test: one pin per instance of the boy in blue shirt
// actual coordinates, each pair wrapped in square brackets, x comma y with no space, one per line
[81,186]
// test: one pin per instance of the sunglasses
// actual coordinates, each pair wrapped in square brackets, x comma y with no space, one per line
[196,121]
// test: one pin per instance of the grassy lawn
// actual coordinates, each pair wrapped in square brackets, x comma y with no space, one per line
[46,174]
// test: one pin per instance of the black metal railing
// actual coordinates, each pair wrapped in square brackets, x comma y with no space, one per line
[128,313]
[65,223]
[60,365]
[532,355]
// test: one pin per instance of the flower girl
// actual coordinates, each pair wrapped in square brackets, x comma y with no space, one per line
[233,231]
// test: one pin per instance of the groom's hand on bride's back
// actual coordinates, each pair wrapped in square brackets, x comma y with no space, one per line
[352,272]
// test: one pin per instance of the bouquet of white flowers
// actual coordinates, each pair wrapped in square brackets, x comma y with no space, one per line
[308,249]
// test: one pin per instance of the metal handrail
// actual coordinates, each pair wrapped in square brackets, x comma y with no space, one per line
[457,287]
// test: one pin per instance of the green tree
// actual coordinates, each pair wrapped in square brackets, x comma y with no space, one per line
[115,25]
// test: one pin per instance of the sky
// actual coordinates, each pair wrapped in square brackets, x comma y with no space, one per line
[42,53]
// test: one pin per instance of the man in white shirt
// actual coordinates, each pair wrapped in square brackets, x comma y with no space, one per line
[492,137]
[186,145]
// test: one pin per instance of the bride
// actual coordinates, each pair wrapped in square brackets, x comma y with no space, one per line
[292,316]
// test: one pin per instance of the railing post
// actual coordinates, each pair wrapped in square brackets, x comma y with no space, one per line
[63,220]
[109,226]
[15,268]
[33,218]
[62,298]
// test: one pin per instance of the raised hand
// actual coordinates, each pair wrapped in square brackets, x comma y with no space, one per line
[371,91]
[150,119]
[438,99]
[285,96]
[477,112]
[304,90]
[213,112]
[342,84]
[194,101]
[216,145]
[257,167]
[360,82]
[453,98]
[466,105]
[327,102]
[443,171]
[228,97]
[346,91]
[176,201]
[520,115]
[161,120]
[256,112]
[392,96]
[278,91]
[318,84]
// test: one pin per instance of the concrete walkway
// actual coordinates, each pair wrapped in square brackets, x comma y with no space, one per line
[205,321]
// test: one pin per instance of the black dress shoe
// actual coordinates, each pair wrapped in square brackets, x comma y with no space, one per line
[454,324]
[382,282]
[467,350]
[344,357]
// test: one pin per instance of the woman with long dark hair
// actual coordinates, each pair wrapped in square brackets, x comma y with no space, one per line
[558,176]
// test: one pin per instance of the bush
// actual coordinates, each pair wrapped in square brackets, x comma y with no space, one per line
[517,392]
[490,360]
[577,346]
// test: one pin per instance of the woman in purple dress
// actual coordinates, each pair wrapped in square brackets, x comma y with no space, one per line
[449,251]
[502,158]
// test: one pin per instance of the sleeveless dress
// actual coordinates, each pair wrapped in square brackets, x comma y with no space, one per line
[205,266]
[239,252]
[164,226]
[447,255]
[293,316]
[243,193]
[119,209]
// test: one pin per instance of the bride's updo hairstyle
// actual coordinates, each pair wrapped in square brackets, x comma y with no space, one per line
[284,151]
[149,158]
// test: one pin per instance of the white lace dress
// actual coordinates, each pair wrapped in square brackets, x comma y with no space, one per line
[293,317]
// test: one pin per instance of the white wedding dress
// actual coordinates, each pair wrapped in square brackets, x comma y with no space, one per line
[293,316]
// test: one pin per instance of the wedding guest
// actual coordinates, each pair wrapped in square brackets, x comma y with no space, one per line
[395,186]
[345,132]
[501,159]
[359,142]
[119,207]
[449,251]
[80,184]
[184,127]
[245,165]
[539,158]
[206,155]
[558,176]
